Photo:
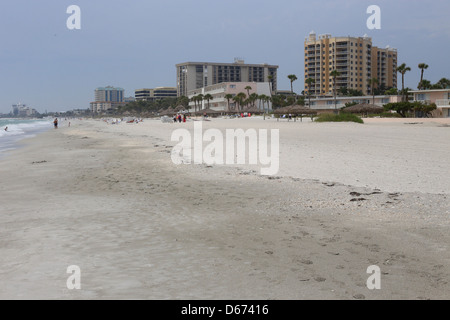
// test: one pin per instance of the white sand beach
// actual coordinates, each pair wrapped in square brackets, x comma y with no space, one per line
[108,199]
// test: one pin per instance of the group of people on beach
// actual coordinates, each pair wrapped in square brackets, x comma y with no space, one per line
[180,118]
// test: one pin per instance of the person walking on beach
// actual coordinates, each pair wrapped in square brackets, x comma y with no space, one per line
[55,123]
[184,118]
[175,118]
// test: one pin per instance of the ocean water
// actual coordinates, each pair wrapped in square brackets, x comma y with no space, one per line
[18,130]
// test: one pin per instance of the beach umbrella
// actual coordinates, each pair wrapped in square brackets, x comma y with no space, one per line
[253,110]
[364,108]
[208,112]
[297,109]
[168,112]
[180,108]
[284,110]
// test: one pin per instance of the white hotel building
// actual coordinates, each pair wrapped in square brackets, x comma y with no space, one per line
[220,90]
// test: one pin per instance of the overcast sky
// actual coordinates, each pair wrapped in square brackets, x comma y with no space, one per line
[136,43]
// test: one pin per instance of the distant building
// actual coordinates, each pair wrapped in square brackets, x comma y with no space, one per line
[441,97]
[355,59]
[107,98]
[196,75]
[286,93]
[220,90]
[324,103]
[104,106]
[21,110]
[155,94]
[109,94]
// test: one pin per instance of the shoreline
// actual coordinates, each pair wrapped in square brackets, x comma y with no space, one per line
[108,199]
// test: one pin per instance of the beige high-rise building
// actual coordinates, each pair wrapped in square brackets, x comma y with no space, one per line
[196,75]
[384,66]
[356,60]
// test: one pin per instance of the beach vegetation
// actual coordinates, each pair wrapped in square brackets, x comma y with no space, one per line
[335,74]
[403,108]
[348,92]
[402,69]
[342,117]
[292,78]
[422,67]
[309,81]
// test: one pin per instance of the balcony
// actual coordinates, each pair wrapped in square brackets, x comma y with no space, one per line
[443,102]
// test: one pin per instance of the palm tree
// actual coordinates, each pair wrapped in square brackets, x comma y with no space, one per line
[208,97]
[248,88]
[263,99]
[292,78]
[252,99]
[242,98]
[194,100]
[228,97]
[425,84]
[200,100]
[403,69]
[309,81]
[373,82]
[335,74]
[270,80]
[422,67]
[236,102]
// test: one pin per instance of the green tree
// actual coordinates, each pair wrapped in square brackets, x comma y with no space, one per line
[309,82]
[373,82]
[228,97]
[391,92]
[270,80]
[200,98]
[425,109]
[444,83]
[422,67]
[208,98]
[300,101]
[252,99]
[248,88]
[425,84]
[292,78]
[402,69]
[335,74]
[239,100]
[402,108]
[290,100]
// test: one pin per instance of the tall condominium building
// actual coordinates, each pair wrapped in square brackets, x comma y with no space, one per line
[196,75]
[384,66]
[109,94]
[356,60]
[155,94]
